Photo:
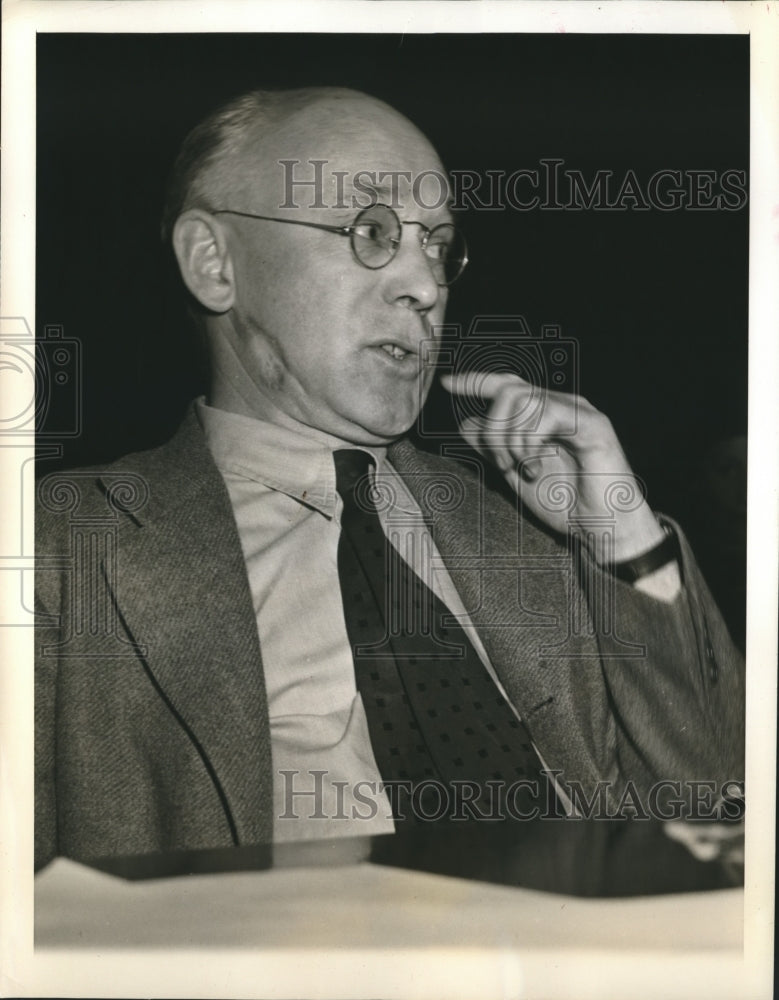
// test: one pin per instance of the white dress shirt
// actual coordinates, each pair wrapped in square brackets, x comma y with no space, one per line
[281,484]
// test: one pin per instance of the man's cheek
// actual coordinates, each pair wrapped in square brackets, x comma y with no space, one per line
[424,384]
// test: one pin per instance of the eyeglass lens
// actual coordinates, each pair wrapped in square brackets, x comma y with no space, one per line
[376,234]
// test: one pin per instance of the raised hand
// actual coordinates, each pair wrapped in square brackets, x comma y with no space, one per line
[562,457]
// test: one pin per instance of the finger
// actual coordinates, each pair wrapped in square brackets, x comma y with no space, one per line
[479,428]
[470,429]
[473,430]
[553,411]
[539,461]
[505,426]
[517,406]
[514,410]
[521,424]
[523,476]
[481,385]
[530,469]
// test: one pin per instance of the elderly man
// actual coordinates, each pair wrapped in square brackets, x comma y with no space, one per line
[312,628]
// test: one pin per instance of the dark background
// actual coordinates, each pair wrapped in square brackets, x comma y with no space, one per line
[657,301]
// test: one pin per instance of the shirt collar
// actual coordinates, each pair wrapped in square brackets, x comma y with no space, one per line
[294,462]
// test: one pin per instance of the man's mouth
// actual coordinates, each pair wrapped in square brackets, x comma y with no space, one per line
[394,351]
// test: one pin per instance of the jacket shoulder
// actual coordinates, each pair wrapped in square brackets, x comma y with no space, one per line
[483,501]
[125,484]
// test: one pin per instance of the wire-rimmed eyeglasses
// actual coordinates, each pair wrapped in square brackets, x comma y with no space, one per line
[375,238]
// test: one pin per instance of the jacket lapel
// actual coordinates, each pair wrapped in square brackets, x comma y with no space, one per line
[183,594]
[517,586]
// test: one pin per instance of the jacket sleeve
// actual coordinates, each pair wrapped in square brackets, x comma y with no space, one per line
[675,681]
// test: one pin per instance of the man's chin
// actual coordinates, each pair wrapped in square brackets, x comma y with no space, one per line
[381,430]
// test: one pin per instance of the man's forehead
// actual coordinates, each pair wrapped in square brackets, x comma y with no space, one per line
[350,149]
[352,125]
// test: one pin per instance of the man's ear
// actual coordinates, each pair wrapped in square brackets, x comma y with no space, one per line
[204,259]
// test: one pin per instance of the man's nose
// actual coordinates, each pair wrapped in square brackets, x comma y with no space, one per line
[409,276]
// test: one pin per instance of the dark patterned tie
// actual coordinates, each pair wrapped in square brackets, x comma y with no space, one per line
[433,710]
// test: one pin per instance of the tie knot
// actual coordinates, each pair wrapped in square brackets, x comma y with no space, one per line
[351,466]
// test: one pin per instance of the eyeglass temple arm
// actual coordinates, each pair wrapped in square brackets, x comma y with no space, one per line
[341,230]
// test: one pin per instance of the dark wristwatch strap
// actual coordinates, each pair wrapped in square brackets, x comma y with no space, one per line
[633,569]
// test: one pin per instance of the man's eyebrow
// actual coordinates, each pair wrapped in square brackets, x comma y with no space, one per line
[381,191]
[385,193]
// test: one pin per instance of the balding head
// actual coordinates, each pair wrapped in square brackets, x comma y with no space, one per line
[223,154]
[297,319]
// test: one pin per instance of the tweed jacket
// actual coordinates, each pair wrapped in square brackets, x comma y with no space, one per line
[151,715]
